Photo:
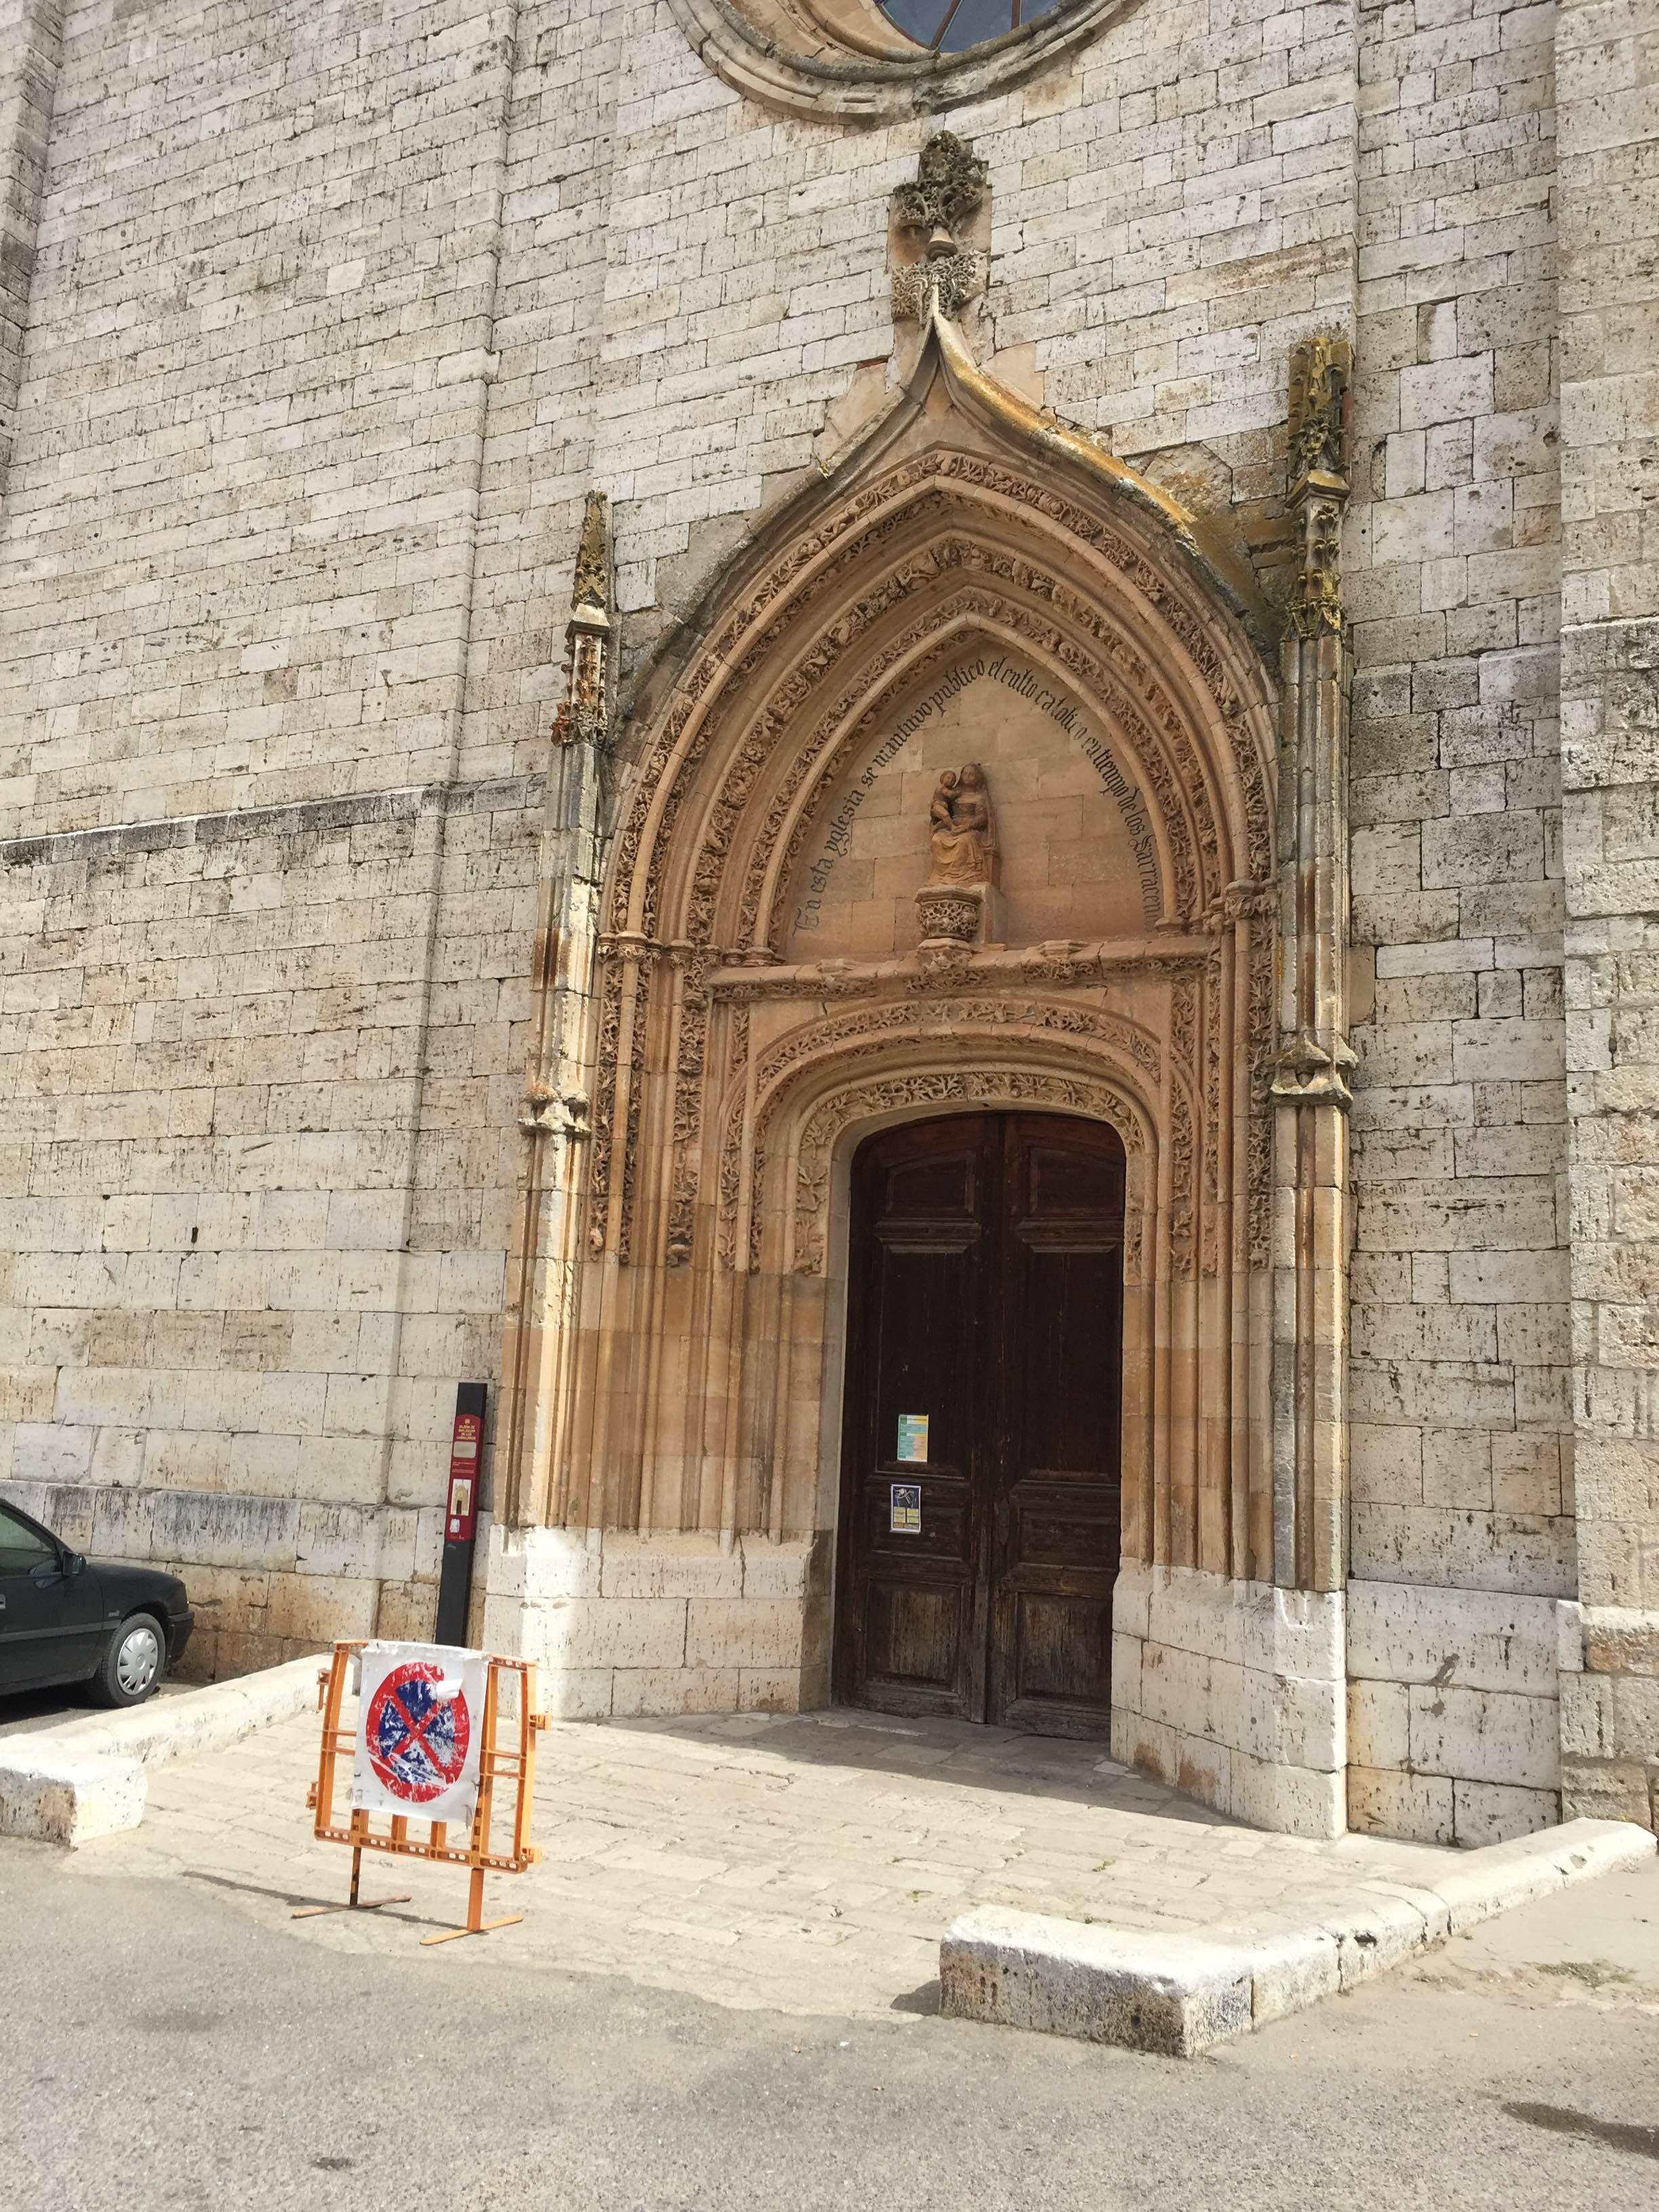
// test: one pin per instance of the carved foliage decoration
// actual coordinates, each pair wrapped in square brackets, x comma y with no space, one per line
[670,761]
[1077,632]
[1320,402]
[582,714]
[948,190]
[867,1032]
[1183,1048]
[986,1087]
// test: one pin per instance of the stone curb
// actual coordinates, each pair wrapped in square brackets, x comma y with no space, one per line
[1180,1995]
[85,1778]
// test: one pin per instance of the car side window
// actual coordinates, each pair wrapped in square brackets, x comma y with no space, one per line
[20,1547]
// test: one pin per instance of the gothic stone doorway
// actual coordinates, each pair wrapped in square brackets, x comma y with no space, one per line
[986,1294]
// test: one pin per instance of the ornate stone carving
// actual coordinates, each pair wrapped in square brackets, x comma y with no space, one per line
[1184,1053]
[1260,1140]
[870,1032]
[1062,620]
[1316,601]
[948,916]
[623,959]
[583,715]
[864,511]
[599,1179]
[951,278]
[987,1087]
[1318,479]
[948,190]
[1062,960]
[1211,1253]
[943,962]
[1026,1017]
[1321,370]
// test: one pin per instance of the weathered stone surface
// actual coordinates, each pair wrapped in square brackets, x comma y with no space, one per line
[1174,1994]
[1180,1995]
[290,492]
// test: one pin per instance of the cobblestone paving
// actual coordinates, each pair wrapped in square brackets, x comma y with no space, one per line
[806,1863]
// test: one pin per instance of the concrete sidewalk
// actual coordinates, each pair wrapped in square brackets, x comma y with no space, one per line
[807,1863]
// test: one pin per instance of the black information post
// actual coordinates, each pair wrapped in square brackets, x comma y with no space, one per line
[461,1514]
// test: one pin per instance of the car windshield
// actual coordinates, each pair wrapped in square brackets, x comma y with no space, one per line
[20,1548]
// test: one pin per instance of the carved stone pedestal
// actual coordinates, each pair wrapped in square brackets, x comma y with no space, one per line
[960,914]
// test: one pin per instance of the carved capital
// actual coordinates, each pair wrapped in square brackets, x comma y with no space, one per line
[1245,901]
[545,1113]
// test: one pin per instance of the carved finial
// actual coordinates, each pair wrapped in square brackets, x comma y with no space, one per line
[951,182]
[1317,489]
[591,591]
[587,635]
[949,190]
[1321,371]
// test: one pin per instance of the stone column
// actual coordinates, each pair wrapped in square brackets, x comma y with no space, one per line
[1309,1087]
[1606,67]
[543,1271]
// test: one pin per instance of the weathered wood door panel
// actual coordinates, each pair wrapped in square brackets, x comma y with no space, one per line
[986,1294]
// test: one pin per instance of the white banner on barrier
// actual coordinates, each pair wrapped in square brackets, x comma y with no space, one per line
[420,1726]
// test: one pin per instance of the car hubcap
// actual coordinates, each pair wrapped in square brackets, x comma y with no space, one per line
[139,1660]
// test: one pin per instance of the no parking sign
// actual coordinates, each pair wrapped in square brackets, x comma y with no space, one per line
[420,1727]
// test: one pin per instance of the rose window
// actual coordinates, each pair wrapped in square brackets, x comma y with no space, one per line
[951,26]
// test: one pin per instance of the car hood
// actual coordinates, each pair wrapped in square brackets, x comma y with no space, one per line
[124,1585]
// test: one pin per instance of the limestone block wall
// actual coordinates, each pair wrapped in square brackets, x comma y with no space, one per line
[1610,762]
[29,52]
[1234,1691]
[269,921]
[315,326]
[1168,215]
[1462,1531]
[624,1624]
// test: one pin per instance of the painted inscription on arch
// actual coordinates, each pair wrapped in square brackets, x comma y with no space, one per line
[1026,684]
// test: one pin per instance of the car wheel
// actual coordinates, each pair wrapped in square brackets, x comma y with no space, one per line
[132,1662]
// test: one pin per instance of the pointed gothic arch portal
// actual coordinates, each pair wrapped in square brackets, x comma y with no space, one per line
[972,585]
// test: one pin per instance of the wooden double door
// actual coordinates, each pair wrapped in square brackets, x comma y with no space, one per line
[977,1554]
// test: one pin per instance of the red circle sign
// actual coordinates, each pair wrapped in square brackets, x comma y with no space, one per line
[417,1742]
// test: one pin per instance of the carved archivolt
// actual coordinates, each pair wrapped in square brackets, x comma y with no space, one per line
[982,1028]
[872,515]
[942,1089]
[817,653]
[795,682]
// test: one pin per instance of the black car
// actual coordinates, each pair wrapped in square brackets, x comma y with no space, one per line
[64,1618]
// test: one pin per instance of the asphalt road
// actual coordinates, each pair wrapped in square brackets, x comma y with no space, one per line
[25,1712]
[161,2048]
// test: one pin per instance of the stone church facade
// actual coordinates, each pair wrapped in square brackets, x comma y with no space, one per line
[622,626]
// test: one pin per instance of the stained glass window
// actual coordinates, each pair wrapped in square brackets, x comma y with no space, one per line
[951,26]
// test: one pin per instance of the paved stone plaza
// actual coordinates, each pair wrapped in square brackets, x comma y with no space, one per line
[806,1862]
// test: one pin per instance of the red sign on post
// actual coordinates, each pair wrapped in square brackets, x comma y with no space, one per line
[461,1510]
[461,1503]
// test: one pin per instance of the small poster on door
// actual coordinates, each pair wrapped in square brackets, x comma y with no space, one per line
[904,1513]
[912,1437]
